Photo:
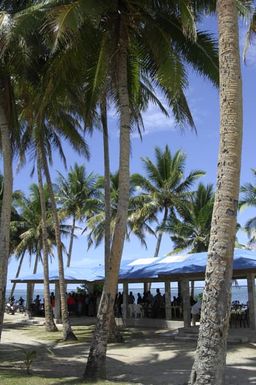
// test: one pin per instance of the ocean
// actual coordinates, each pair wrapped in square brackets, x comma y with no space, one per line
[239,293]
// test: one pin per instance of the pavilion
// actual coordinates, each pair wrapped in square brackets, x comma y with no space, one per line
[175,268]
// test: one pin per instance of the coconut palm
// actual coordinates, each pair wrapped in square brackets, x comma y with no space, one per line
[49,321]
[8,124]
[26,229]
[77,195]
[211,348]
[45,134]
[165,185]
[191,229]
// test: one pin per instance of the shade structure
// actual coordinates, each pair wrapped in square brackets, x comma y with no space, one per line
[191,265]
[153,269]
[71,274]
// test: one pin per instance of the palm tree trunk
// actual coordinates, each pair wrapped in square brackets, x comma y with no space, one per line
[160,236]
[96,364]
[210,358]
[36,263]
[114,333]
[107,235]
[49,322]
[147,286]
[67,330]
[71,241]
[6,208]
[17,273]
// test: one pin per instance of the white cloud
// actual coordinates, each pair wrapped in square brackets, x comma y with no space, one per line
[155,121]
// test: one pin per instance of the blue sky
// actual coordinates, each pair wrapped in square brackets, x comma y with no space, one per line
[201,150]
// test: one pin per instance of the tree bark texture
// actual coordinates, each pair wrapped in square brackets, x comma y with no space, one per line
[96,364]
[6,207]
[67,330]
[114,332]
[209,365]
[49,321]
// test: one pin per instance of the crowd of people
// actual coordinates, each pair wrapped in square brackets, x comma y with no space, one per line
[83,303]
[153,306]
[79,304]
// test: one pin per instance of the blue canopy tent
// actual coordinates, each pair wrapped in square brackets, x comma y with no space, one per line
[183,268]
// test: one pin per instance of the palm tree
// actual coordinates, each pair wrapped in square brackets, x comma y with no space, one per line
[44,124]
[49,322]
[8,124]
[44,136]
[248,199]
[165,185]
[191,230]
[26,229]
[77,195]
[211,348]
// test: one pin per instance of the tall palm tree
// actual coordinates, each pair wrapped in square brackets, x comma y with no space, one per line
[191,229]
[77,195]
[156,69]
[12,65]
[49,321]
[7,197]
[248,199]
[44,134]
[210,356]
[165,185]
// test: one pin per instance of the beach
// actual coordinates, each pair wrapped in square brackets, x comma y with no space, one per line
[148,356]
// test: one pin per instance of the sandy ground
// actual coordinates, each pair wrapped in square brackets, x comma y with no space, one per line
[149,357]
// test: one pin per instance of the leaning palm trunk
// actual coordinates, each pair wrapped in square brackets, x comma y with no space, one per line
[210,358]
[114,333]
[96,365]
[17,273]
[49,322]
[6,209]
[160,236]
[71,241]
[67,330]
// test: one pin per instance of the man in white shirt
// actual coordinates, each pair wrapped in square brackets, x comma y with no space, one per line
[195,312]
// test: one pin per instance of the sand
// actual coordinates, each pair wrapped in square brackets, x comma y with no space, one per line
[148,357]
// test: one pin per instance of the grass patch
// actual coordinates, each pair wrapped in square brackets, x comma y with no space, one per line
[83,334]
[19,379]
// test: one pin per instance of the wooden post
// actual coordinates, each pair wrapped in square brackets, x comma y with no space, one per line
[251,300]
[168,307]
[57,314]
[29,298]
[186,302]
[125,300]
